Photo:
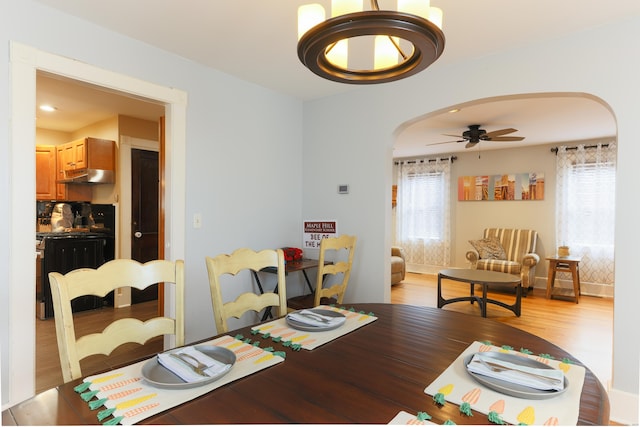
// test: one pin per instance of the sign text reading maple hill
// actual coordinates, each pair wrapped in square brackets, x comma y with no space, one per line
[315,231]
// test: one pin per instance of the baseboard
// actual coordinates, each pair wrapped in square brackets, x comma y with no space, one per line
[624,407]
[586,288]
[424,269]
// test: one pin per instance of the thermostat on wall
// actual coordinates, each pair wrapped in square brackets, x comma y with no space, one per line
[343,189]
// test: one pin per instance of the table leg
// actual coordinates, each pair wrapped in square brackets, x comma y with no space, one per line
[484,300]
[255,276]
[576,280]
[440,299]
[472,292]
[267,311]
[306,278]
[551,277]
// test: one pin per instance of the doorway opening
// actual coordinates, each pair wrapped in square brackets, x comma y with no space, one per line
[19,372]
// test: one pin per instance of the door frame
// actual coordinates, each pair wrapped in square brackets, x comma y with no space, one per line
[18,351]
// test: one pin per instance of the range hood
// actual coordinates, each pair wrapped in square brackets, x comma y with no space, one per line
[89,176]
[88,161]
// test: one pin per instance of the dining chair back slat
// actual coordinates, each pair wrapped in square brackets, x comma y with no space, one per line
[100,281]
[333,274]
[245,259]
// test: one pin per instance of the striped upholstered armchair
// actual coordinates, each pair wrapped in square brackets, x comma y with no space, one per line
[507,250]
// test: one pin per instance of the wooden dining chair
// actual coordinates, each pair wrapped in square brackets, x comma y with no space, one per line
[245,260]
[333,276]
[100,281]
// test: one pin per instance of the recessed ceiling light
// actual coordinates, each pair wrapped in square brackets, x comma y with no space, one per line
[455,110]
[49,108]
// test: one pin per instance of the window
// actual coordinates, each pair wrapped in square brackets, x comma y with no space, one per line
[594,220]
[585,208]
[422,215]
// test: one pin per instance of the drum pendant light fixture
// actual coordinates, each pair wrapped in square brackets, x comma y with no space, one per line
[400,43]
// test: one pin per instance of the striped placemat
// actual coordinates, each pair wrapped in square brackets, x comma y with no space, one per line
[122,396]
[455,385]
[279,329]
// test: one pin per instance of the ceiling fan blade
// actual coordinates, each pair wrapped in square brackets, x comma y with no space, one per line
[444,142]
[470,144]
[492,134]
[455,136]
[508,138]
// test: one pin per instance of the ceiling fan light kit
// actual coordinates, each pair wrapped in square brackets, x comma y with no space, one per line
[406,41]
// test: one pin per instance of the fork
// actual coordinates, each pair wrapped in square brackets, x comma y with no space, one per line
[498,368]
[199,368]
[314,316]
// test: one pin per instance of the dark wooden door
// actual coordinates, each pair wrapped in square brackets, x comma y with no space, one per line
[144,214]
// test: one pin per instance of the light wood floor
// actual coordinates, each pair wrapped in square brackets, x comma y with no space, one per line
[585,330]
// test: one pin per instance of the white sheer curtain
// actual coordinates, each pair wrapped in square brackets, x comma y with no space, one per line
[423,211]
[585,207]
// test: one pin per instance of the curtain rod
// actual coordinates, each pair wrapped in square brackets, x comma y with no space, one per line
[452,158]
[555,149]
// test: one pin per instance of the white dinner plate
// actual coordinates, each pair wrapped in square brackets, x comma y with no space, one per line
[159,376]
[312,328]
[510,388]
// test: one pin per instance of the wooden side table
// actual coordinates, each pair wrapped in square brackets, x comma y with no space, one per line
[567,264]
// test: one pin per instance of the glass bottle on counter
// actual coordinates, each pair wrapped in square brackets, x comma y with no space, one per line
[77,222]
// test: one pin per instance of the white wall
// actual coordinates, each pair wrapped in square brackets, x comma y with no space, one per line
[251,187]
[471,217]
[243,145]
[601,62]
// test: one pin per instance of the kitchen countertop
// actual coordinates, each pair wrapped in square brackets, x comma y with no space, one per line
[65,234]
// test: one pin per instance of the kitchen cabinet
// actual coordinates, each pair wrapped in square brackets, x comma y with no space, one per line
[87,153]
[64,192]
[63,254]
[45,172]
[61,189]
[85,156]
[65,154]
[73,156]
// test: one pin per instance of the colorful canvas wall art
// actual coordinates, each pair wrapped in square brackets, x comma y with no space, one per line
[518,186]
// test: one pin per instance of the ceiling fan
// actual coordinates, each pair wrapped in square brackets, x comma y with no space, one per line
[475,135]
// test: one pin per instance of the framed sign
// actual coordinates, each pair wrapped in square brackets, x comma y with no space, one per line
[315,231]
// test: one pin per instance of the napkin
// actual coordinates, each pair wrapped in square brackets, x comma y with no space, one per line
[182,369]
[313,318]
[548,379]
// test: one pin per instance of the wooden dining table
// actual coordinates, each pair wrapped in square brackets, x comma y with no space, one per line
[366,376]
